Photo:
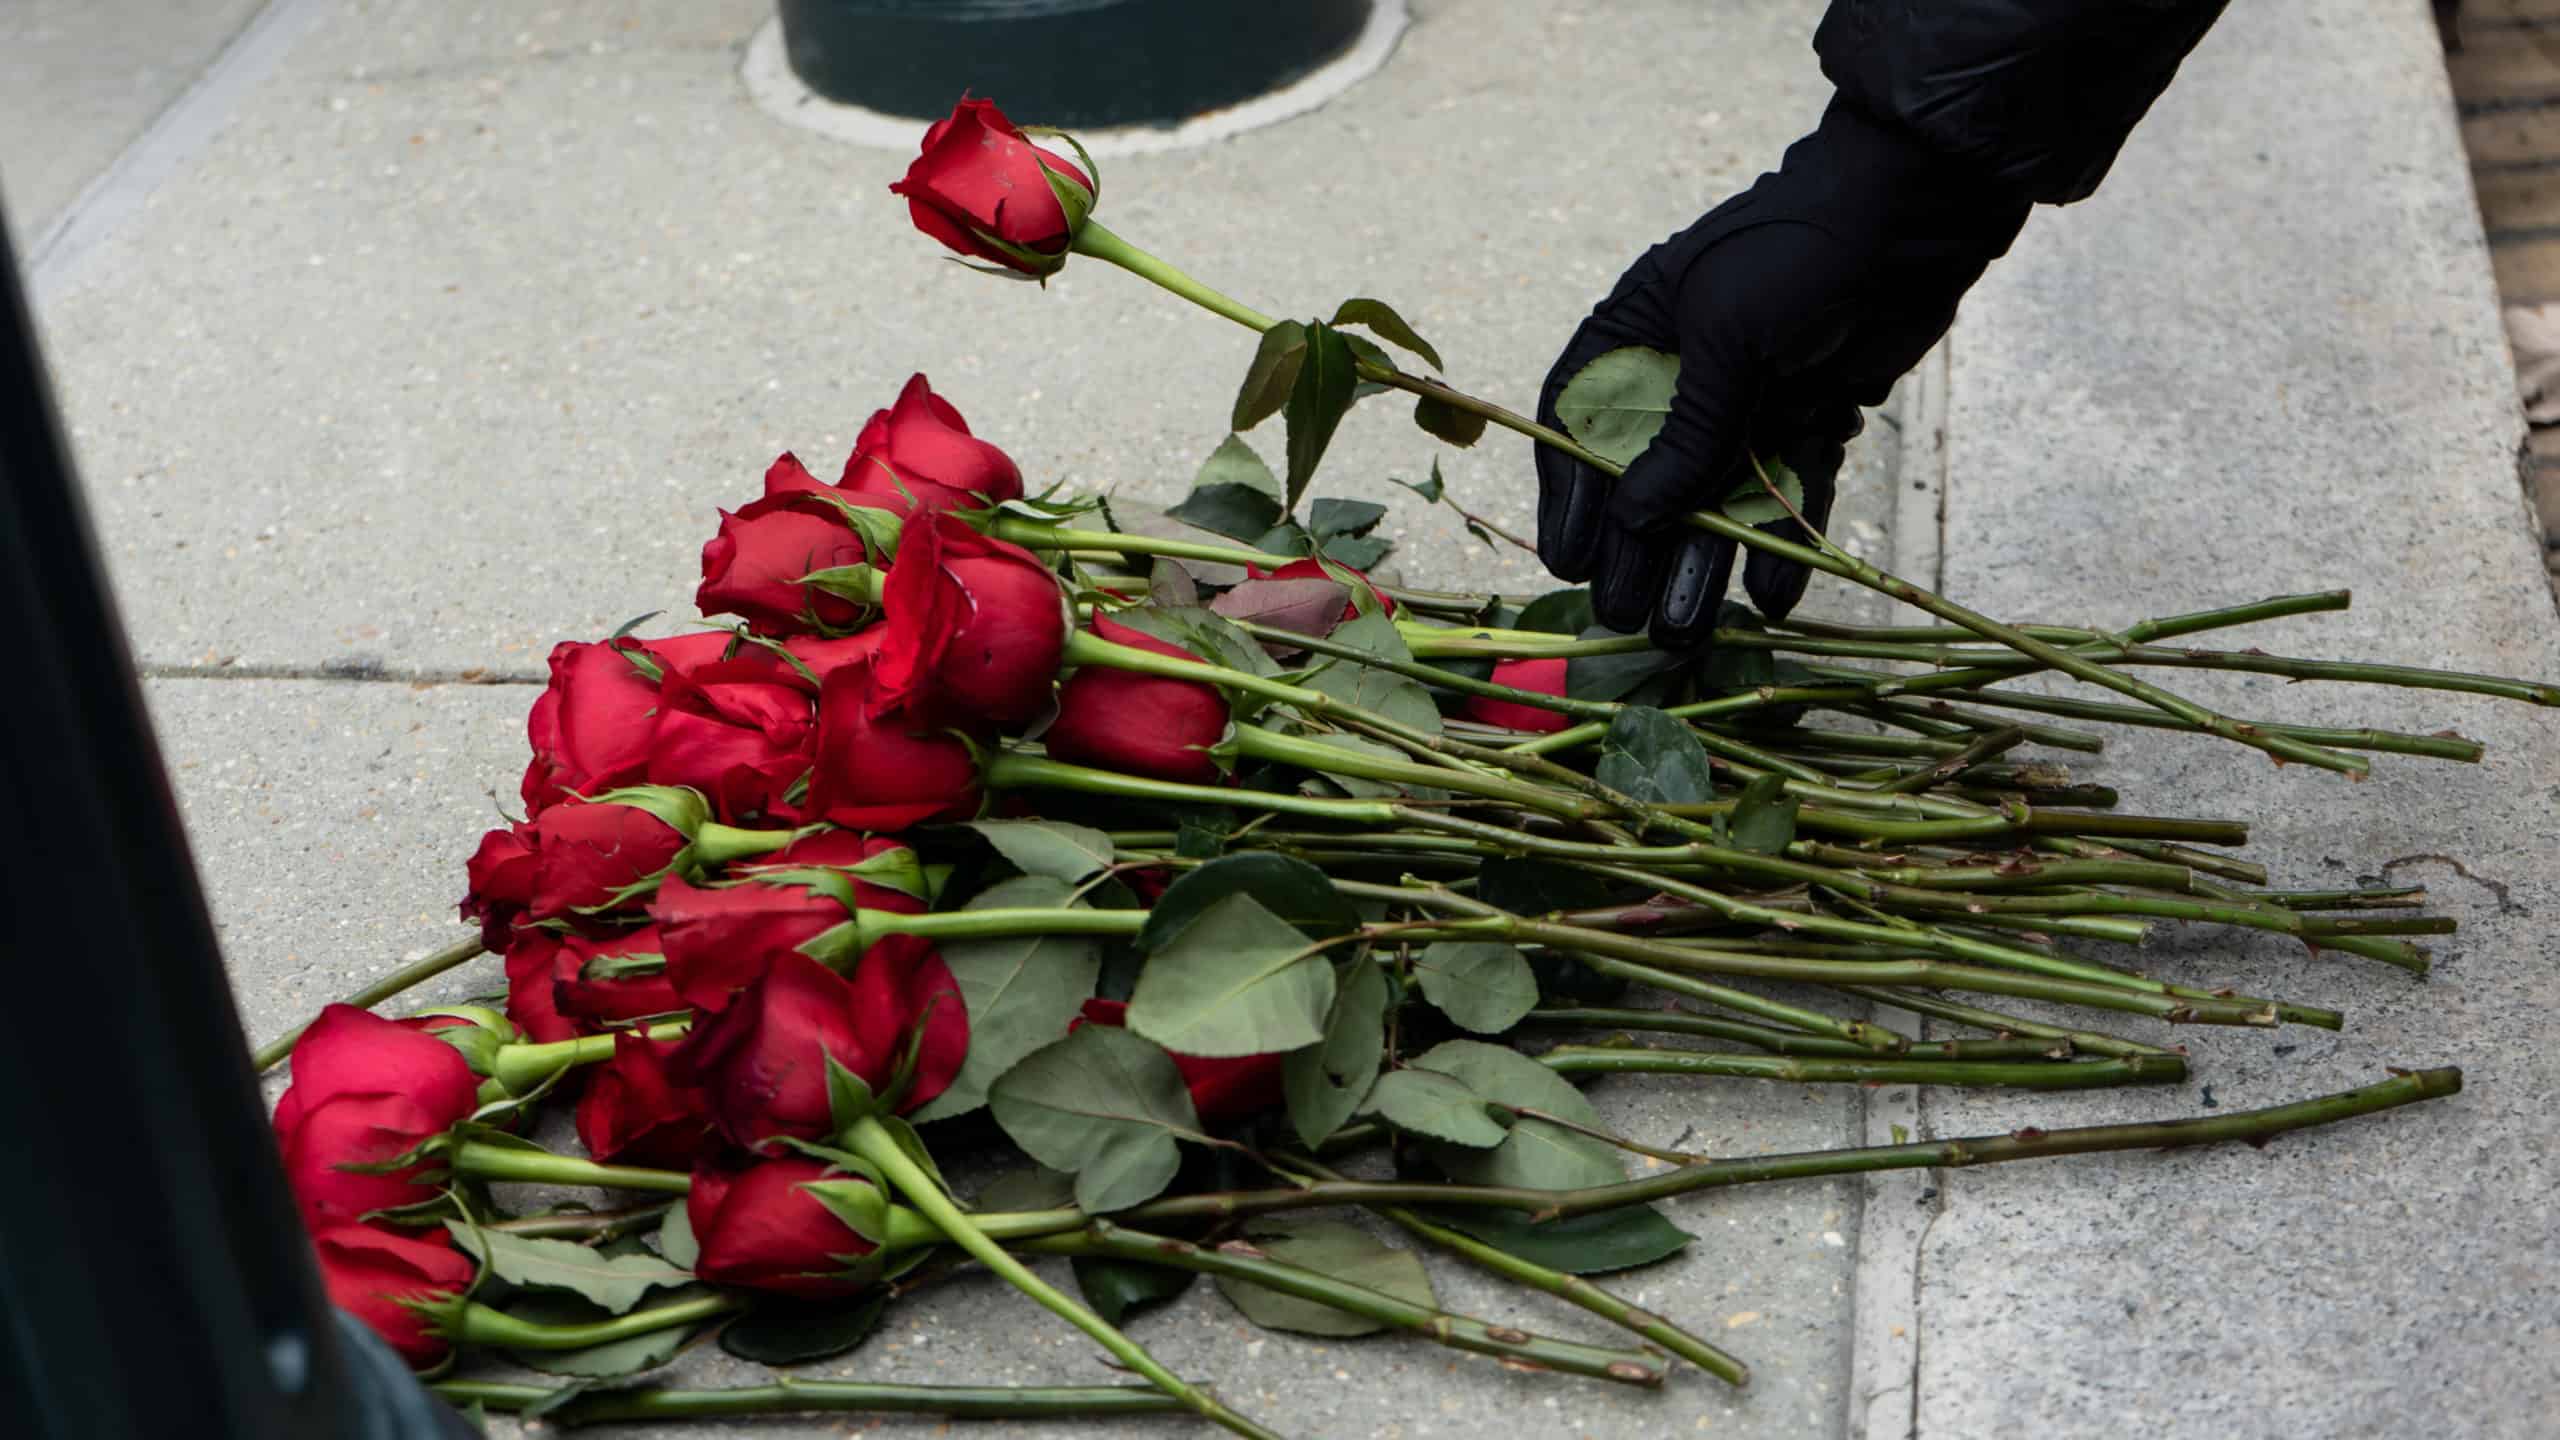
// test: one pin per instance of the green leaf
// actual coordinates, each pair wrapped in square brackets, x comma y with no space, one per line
[1354,784]
[1328,517]
[1764,819]
[1236,511]
[1378,315]
[608,1361]
[1236,463]
[1617,404]
[1443,421]
[1484,985]
[1593,1244]
[1648,756]
[1238,980]
[1318,398]
[1335,1249]
[1048,847]
[1203,632]
[1614,677]
[1362,553]
[614,1282]
[1750,502]
[1105,1105]
[1325,1082]
[1117,1289]
[1559,612]
[1536,1154]
[1371,352]
[1287,887]
[1430,490]
[1273,376]
[1440,1106]
[1028,1187]
[1390,694]
[784,1331]
[675,1238]
[1021,990]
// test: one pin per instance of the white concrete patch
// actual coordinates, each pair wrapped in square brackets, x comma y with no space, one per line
[779,93]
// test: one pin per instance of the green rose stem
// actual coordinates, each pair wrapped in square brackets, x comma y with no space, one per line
[519,1067]
[2437,747]
[1097,240]
[1240,1261]
[1015,771]
[585,1224]
[790,1396]
[1783,1042]
[482,1160]
[1085,648]
[1570,1288]
[1998,1022]
[1898,1070]
[872,1141]
[416,972]
[472,1323]
[1260,744]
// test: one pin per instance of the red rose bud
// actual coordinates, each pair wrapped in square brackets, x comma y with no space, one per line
[1544,676]
[634,1112]
[1221,1090]
[982,189]
[581,858]
[591,727]
[880,769]
[755,566]
[757,1229]
[369,1272]
[921,448]
[762,1061]
[720,939]
[736,731]
[975,627]
[500,878]
[365,1090]
[1311,568]
[613,977]
[1138,724]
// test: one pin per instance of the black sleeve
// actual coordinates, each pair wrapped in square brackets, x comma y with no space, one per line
[2034,95]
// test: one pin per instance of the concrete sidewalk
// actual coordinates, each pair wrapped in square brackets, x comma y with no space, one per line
[435,336]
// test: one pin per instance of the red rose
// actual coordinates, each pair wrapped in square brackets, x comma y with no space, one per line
[536,964]
[823,654]
[753,567]
[982,189]
[368,1273]
[1544,676]
[590,1001]
[975,627]
[590,727]
[365,1090]
[921,448]
[736,731]
[570,858]
[634,1112]
[879,769]
[1311,568]
[758,1230]
[1221,1090]
[719,939]
[762,1061]
[1138,724]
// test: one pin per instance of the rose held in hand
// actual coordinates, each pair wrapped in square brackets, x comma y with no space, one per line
[987,192]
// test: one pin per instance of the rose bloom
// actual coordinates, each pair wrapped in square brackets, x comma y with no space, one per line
[920,448]
[975,628]
[635,1113]
[570,858]
[753,567]
[982,189]
[758,1230]
[1544,676]
[550,996]
[1221,1089]
[368,1272]
[719,939]
[738,732]
[761,1061]
[878,768]
[365,1090]
[1138,724]
[591,726]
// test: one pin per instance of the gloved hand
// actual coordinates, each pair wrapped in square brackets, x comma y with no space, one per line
[1790,306]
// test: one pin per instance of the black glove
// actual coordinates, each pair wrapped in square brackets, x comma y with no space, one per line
[1790,306]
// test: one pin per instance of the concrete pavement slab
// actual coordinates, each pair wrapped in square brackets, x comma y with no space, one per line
[446,352]
[2266,358]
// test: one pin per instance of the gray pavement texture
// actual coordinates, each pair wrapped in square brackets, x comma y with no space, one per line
[448,340]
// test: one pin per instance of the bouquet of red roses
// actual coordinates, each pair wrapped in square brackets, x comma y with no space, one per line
[1155,850]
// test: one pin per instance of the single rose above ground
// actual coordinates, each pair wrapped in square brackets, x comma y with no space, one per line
[981,188]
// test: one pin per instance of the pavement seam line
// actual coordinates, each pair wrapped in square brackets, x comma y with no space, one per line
[167,145]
